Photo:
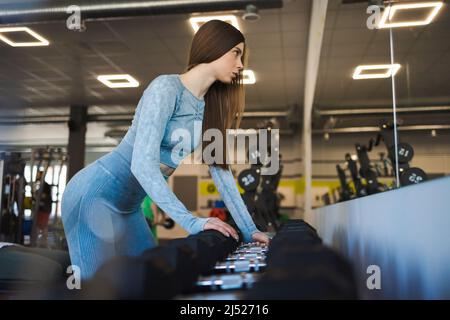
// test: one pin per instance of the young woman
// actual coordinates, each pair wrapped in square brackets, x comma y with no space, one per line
[101,204]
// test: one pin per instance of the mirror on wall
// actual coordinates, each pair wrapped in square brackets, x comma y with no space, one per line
[381,114]
[419,35]
[353,100]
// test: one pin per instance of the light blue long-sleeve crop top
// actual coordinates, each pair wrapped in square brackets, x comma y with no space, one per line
[165,107]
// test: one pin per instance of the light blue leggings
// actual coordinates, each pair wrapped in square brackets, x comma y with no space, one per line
[102,216]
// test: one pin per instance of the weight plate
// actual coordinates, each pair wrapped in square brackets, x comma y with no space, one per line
[211,188]
[405,152]
[248,180]
[412,176]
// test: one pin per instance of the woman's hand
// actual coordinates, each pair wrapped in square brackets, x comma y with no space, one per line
[260,237]
[223,227]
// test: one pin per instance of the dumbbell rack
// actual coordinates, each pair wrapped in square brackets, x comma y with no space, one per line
[237,273]
[297,266]
[209,265]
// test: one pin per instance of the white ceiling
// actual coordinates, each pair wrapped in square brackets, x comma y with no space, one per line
[64,73]
[46,80]
[423,52]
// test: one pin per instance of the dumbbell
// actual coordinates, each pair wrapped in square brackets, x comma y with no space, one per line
[228,243]
[298,257]
[133,278]
[297,223]
[291,238]
[211,245]
[247,250]
[227,281]
[246,256]
[158,273]
[220,246]
[168,223]
[252,245]
[240,266]
[201,249]
[311,272]
[313,283]
[183,261]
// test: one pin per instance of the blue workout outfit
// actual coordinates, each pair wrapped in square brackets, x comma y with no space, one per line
[101,205]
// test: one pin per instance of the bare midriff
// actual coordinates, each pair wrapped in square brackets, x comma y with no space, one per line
[166,170]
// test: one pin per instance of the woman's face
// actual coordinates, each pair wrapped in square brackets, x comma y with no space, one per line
[227,67]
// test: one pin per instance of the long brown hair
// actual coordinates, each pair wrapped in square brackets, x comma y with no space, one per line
[224,103]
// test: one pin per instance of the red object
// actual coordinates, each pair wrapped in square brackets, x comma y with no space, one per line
[218,213]
[42,219]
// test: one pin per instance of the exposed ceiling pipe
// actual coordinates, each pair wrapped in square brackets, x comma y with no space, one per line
[49,11]
[265,114]
[119,134]
[113,117]
[26,149]
[129,116]
[378,111]
[23,120]
[376,129]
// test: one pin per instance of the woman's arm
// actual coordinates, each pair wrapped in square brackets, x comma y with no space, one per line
[158,103]
[225,183]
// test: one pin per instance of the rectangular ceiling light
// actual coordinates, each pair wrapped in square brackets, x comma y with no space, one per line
[41,41]
[196,22]
[249,77]
[118,81]
[385,71]
[388,21]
